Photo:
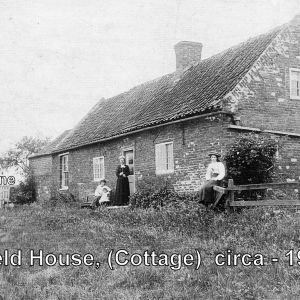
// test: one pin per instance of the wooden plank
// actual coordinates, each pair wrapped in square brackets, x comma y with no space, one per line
[247,188]
[230,183]
[86,204]
[218,198]
[260,186]
[121,206]
[265,203]
[244,128]
[219,189]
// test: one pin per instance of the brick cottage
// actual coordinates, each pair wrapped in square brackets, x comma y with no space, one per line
[166,126]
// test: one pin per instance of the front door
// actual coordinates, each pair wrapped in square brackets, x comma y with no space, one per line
[129,161]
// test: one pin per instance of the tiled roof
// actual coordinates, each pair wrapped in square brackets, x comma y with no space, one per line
[195,91]
[52,146]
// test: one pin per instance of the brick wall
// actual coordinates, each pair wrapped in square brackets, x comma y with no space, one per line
[192,141]
[262,98]
[288,161]
[42,170]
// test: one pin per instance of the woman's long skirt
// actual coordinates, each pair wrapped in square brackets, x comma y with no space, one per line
[206,193]
[122,191]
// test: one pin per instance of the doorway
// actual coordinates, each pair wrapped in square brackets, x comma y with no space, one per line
[129,161]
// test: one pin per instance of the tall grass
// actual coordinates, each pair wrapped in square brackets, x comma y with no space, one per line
[64,229]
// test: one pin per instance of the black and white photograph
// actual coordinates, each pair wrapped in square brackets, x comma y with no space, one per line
[149,149]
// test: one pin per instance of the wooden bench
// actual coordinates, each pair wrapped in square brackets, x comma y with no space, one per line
[219,193]
[89,201]
[229,194]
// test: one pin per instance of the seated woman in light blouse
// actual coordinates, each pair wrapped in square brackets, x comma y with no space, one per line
[214,174]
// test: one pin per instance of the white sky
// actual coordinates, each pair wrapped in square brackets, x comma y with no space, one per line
[59,57]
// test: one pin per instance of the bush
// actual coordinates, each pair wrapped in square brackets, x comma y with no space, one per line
[24,193]
[251,159]
[156,194]
[61,199]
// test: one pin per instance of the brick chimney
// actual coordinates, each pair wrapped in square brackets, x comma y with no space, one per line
[187,54]
[296,19]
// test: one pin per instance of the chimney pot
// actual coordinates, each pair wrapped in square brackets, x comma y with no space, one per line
[187,54]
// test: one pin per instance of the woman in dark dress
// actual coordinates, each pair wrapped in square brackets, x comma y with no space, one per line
[122,188]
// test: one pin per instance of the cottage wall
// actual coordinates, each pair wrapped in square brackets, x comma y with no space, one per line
[191,142]
[262,98]
[42,170]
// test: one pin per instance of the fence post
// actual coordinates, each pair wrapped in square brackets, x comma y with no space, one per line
[231,193]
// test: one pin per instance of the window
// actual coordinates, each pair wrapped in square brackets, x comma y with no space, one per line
[164,158]
[98,168]
[129,160]
[64,171]
[295,84]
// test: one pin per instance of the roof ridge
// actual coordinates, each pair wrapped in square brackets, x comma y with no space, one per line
[280,29]
[252,38]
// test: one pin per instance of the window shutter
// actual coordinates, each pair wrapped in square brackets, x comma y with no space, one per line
[67,163]
[170,157]
[164,158]
[293,87]
[60,170]
[101,167]
[295,83]
[160,158]
[96,170]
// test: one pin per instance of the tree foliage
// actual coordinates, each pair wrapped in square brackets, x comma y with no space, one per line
[24,193]
[18,155]
[251,159]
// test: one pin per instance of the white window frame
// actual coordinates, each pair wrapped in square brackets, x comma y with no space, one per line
[98,177]
[129,149]
[294,97]
[64,169]
[163,165]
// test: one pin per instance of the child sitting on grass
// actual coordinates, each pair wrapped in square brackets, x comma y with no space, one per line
[102,194]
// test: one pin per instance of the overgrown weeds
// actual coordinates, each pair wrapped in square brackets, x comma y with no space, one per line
[173,229]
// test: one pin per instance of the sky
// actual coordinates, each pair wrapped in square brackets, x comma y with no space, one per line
[59,57]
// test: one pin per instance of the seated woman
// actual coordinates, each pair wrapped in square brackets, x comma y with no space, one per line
[214,174]
[102,194]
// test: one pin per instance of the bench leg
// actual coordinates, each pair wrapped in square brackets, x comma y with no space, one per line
[217,199]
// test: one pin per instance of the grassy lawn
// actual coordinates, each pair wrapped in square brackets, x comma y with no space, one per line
[69,229]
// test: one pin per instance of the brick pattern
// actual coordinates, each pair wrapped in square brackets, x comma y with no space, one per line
[191,143]
[42,169]
[187,54]
[262,98]
[288,162]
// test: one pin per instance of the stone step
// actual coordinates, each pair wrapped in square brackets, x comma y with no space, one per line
[89,205]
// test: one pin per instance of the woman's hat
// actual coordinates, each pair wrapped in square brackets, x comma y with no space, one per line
[214,153]
[121,156]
